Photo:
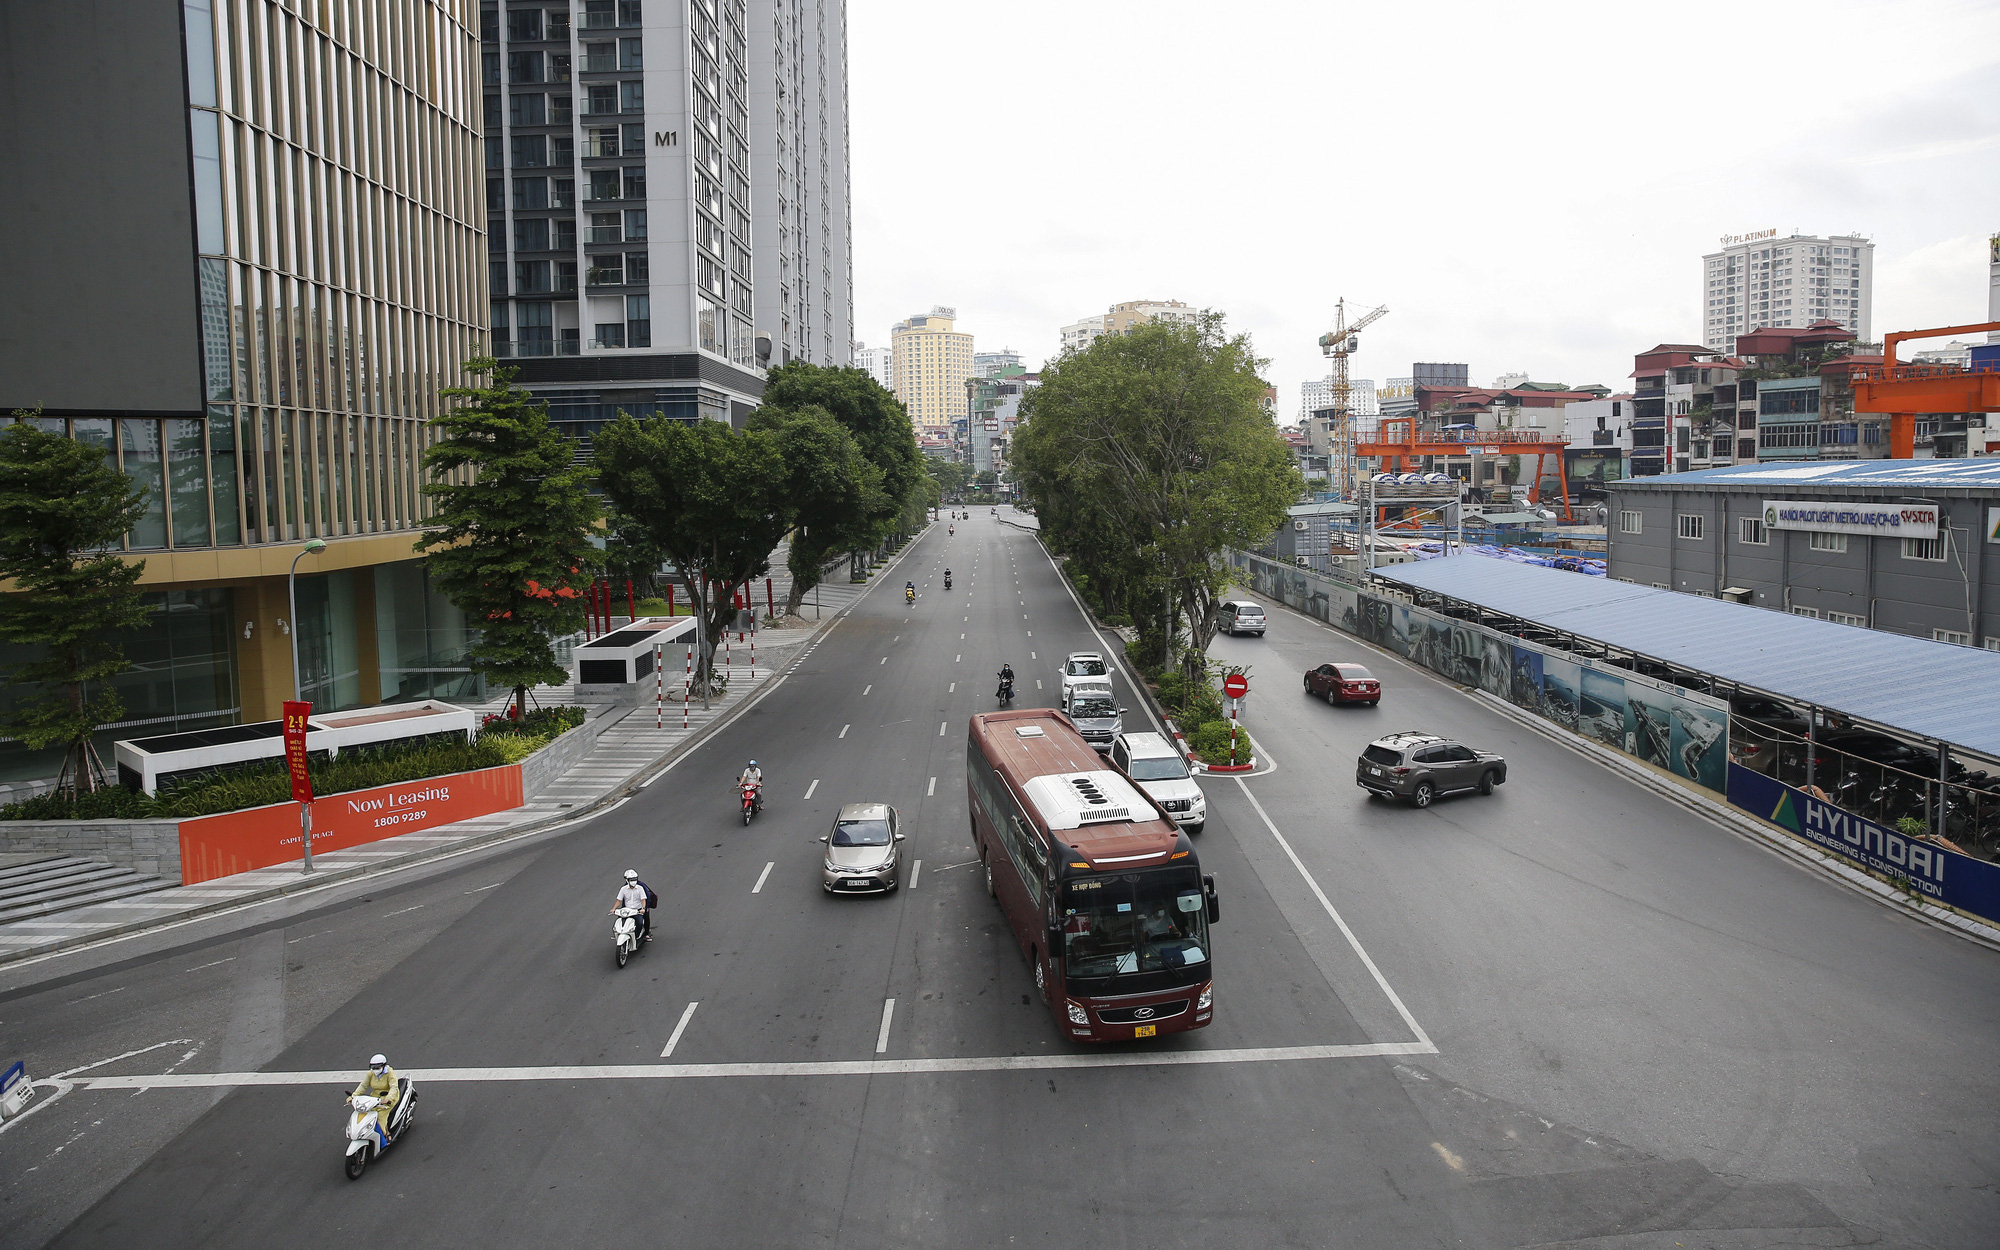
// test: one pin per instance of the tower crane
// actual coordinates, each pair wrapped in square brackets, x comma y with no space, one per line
[1338,344]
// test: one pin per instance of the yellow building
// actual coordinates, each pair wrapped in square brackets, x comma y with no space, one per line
[930,362]
[1123,317]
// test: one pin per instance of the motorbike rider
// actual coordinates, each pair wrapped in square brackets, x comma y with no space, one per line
[1006,679]
[752,776]
[910,590]
[951,529]
[635,895]
[947,577]
[379,1081]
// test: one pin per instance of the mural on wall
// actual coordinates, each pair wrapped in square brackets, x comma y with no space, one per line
[1525,690]
[1561,697]
[1649,725]
[1601,715]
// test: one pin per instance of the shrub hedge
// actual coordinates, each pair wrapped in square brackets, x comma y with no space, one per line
[1210,740]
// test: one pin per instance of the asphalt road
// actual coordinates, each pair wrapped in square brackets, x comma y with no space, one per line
[1647,1031]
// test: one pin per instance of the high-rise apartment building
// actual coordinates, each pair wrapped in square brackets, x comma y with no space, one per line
[1760,281]
[667,190]
[875,362]
[264,265]
[1078,335]
[1316,394]
[932,361]
[1124,317]
[996,364]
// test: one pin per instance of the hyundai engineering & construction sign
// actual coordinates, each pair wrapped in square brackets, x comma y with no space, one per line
[1891,520]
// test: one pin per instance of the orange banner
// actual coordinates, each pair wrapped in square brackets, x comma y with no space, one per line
[296,715]
[233,842]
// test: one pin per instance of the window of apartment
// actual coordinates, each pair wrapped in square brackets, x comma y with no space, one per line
[604,229]
[632,96]
[1691,525]
[496,195]
[489,68]
[528,110]
[559,110]
[600,57]
[628,12]
[600,141]
[558,23]
[599,14]
[636,268]
[563,236]
[1751,532]
[531,193]
[1959,637]
[494,153]
[524,26]
[524,67]
[631,54]
[562,151]
[1746,449]
[609,334]
[1992,643]
[604,184]
[1827,542]
[531,151]
[635,138]
[566,269]
[1923,548]
[1813,613]
[492,112]
[606,270]
[638,321]
[600,98]
[531,234]
[1847,618]
[1661,586]
[565,196]
[532,333]
[635,182]
[635,224]
[531,277]
[1631,522]
[496,276]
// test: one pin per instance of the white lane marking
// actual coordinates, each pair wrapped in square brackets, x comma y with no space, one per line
[957,658]
[1038,683]
[941,725]
[1031,655]
[1031,634]
[496,885]
[86,998]
[418,907]
[759,887]
[961,637]
[882,1038]
[915,869]
[1423,1038]
[1024,616]
[1451,1160]
[217,964]
[885,659]
[833,1067]
[179,1041]
[953,689]
[865,689]
[933,789]
[967,618]
[814,786]
[844,729]
[679,1029]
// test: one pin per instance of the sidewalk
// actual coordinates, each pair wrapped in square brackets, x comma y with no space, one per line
[628,746]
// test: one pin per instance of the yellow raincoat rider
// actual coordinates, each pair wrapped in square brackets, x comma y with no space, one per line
[380,1082]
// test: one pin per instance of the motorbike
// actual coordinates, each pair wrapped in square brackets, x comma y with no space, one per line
[753,801]
[951,531]
[909,596]
[625,932]
[947,583]
[362,1143]
[1006,692]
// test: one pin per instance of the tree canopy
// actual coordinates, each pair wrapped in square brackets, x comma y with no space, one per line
[64,507]
[835,492]
[1146,456]
[515,516]
[877,420]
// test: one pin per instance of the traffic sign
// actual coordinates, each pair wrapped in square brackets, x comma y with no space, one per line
[1236,685]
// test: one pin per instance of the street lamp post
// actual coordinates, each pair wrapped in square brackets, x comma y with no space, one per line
[312,548]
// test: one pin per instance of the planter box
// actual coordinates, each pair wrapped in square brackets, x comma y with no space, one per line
[623,658]
[146,763]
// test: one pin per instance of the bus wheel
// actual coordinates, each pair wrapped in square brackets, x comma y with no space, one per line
[1041,977]
[987,864]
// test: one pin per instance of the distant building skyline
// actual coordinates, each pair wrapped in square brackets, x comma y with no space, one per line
[1762,281]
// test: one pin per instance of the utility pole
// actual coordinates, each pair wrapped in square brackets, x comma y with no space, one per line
[1339,343]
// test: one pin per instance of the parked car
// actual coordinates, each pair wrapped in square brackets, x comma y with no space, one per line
[1344,683]
[1419,767]
[1161,771]
[864,851]
[1240,616]
[1083,665]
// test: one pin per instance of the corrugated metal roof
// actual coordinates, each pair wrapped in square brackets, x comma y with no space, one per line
[1930,689]
[1977,473]
[1330,508]
[1505,518]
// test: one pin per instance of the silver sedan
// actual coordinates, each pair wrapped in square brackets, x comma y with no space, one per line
[864,851]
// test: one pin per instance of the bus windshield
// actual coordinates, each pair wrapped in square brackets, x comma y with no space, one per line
[1134,922]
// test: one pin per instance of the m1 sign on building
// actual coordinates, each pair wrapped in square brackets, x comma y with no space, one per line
[233,842]
[1890,520]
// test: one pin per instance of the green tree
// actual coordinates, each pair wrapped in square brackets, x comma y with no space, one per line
[833,490]
[715,500]
[880,426]
[514,521]
[1147,456]
[953,477]
[63,508]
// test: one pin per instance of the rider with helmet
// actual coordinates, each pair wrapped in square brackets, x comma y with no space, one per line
[379,1081]
[635,895]
[752,776]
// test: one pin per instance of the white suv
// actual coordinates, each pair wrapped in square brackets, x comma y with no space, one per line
[1160,770]
[1083,666]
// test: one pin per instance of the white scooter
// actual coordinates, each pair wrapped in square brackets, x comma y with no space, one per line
[362,1143]
[625,929]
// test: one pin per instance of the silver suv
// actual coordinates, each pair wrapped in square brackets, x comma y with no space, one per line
[1094,710]
[1162,772]
[1240,616]
[1420,767]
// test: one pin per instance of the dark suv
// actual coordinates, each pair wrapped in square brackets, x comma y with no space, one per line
[1420,767]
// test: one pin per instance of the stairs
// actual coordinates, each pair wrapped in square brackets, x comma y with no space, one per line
[40,885]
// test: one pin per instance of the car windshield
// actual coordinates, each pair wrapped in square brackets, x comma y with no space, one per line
[1085,668]
[1134,922]
[1093,709]
[1159,768]
[869,832]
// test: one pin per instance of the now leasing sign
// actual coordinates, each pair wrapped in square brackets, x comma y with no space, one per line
[1894,520]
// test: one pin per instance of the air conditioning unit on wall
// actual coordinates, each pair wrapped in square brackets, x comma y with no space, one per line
[1299,525]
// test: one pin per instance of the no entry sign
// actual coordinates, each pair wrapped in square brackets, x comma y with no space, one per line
[1236,685]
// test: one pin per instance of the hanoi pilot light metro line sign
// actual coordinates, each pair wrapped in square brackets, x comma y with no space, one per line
[1891,520]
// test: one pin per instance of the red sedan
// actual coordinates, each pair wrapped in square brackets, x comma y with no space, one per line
[1344,683]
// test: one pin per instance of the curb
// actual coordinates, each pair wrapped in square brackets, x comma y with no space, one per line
[1731,819]
[618,793]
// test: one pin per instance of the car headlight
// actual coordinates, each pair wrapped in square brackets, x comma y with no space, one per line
[1077,1015]
[833,867]
[1207,997]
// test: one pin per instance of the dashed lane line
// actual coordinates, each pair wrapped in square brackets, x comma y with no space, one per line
[882,1037]
[814,786]
[933,790]
[762,877]
[679,1029]
[844,729]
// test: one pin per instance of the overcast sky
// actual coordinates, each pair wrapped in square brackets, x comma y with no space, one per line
[1527,187]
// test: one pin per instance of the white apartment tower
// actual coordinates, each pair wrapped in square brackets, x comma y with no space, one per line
[666,191]
[1760,280]
[1078,335]
[1317,393]
[875,361]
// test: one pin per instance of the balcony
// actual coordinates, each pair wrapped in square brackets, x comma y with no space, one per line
[602,63]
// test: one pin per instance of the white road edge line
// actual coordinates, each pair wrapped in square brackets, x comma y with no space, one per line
[1423,1038]
[888,1014]
[832,1067]
[679,1029]
[933,788]
[814,786]
[764,875]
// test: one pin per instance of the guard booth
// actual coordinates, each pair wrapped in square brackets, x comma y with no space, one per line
[616,663]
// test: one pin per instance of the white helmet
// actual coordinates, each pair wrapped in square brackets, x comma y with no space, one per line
[631,874]
[379,1061]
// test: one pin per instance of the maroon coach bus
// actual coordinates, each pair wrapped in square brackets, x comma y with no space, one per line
[1102,890]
